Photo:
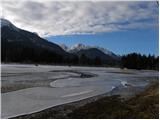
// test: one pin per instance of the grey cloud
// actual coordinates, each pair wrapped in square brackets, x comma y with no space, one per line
[60,18]
[34,10]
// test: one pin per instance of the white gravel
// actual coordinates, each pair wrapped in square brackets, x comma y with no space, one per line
[63,90]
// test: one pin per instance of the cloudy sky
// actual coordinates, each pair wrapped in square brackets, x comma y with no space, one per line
[63,18]
[50,18]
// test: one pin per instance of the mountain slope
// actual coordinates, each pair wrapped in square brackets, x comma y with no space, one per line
[26,44]
[89,51]
[21,46]
[18,35]
[94,53]
[77,47]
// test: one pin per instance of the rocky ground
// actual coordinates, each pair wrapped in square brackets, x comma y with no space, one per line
[30,91]
[141,105]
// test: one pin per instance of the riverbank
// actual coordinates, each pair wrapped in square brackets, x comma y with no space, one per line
[53,86]
[142,105]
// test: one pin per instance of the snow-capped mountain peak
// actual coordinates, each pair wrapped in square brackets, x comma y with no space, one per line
[77,47]
[80,46]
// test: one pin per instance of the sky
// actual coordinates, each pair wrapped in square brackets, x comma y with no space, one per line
[124,42]
[122,27]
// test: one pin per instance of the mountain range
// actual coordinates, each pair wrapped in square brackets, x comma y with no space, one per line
[81,48]
[19,45]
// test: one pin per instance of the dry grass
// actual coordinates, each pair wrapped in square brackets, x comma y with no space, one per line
[143,106]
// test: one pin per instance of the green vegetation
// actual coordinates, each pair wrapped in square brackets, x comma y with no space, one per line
[145,105]
[25,54]
[37,55]
[138,61]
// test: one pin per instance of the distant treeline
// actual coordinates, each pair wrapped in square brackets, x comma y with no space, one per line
[24,54]
[138,61]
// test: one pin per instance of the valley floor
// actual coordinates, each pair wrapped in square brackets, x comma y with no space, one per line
[28,89]
[144,105]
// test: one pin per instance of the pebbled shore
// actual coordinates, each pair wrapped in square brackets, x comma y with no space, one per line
[67,85]
[62,111]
